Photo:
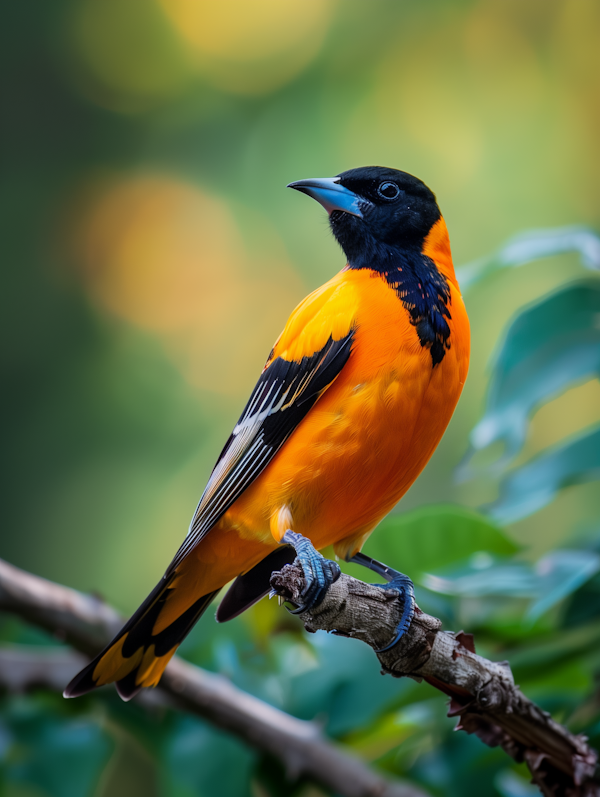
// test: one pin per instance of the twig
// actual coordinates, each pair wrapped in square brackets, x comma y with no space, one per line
[87,624]
[483,693]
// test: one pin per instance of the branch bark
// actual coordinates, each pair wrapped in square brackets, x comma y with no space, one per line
[482,693]
[87,623]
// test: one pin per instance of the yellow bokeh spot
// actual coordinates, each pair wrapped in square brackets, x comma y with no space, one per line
[168,258]
[241,31]
[128,58]
[251,47]
[160,254]
[503,65]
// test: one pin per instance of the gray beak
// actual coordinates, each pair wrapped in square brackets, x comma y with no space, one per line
[333,196]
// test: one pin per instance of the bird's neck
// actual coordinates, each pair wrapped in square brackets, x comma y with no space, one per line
[365,251]
[420,277]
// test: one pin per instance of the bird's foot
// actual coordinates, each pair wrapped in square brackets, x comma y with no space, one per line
[397,581]
[319,573]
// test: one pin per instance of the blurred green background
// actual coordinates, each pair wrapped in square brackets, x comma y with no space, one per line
[151,253]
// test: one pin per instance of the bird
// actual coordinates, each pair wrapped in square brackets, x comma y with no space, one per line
[351,404]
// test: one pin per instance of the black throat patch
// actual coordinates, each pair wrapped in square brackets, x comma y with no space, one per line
[424,292]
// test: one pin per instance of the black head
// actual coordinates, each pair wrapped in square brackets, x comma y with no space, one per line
[374,210]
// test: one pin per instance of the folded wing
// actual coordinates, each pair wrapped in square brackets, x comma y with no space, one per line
[285,392]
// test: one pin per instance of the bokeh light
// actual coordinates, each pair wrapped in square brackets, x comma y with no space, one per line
[126,58]
[169,258]
[251,48]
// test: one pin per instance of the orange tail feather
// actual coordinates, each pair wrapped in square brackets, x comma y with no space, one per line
[137,656]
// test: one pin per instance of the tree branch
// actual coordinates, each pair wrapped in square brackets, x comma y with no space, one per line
[87,623]
[483,693]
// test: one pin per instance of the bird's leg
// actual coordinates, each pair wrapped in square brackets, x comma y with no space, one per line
[319,573]
[396,581]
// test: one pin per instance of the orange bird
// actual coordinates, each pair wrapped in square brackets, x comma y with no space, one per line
[353,400]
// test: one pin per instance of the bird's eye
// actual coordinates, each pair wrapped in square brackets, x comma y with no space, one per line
[388,190]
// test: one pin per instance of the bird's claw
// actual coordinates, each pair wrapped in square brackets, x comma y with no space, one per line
[319,573]
[274,594]
[405,589]
[397,581]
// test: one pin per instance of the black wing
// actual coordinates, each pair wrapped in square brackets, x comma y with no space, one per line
[282,397]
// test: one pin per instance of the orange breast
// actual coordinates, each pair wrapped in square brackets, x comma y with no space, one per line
[372,432]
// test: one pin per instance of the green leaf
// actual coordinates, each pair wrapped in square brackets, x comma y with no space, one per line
[584,607]
[528,489]
[201,760]
[553,578]
[533,245]
[549,346]
[416,720]
[509,580]
[61,756]
[509,784]
[343,692]
[560,574]
[434,537]
[572,644]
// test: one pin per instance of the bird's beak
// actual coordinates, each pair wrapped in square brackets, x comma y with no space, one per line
[332,195]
